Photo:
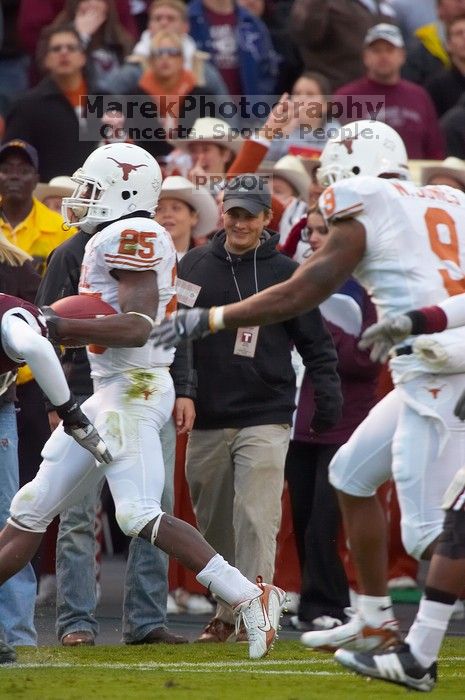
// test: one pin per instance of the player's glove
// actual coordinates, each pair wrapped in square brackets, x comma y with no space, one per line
[186,324]
[381,337]
[76,424]
[459,409]
[51,319]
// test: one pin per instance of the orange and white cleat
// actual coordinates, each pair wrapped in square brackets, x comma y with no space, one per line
[260,617]
[355,635]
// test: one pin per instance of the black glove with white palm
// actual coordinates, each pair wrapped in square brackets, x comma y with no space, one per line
[76,424]
[383,336]
[185,324]
[52,320]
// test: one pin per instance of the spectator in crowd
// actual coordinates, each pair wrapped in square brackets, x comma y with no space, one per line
[412,15]
[211,147]
[239,44]
[447,85]
[104,37]
[49,116]
[167,76]
[291,185]
[450,172]
[429,52]
[168,15]
[17,596]
[316,516]
[51,194]
[25,221]
[408,107]
[34,17]
[330,35]
[307,132]
[188,213]
[146,582]
[240,439]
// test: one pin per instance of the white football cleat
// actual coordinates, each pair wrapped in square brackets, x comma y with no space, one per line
[260,617]
[356,634]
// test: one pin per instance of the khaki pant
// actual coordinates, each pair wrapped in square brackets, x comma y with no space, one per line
[236,478]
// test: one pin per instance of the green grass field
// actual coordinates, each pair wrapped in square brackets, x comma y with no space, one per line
[204,672]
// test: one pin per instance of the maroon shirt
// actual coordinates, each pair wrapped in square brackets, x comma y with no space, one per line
[358,376]
[224,39]
[408,109]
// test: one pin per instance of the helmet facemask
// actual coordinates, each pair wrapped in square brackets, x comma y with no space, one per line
[83,204]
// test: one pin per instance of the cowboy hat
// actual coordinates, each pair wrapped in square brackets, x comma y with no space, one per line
[210,130]
[198,198]
[291,169]
[451,166]
[60,186]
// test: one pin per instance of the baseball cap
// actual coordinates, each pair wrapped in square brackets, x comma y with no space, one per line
[25,147]
[388,32]
[249,191]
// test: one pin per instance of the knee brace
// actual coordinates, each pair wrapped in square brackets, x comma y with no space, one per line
[451,543]
[150,531]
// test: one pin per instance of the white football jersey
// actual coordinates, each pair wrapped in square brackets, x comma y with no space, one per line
[415,239]
[135,244]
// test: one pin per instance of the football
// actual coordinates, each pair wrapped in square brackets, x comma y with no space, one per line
[82,306]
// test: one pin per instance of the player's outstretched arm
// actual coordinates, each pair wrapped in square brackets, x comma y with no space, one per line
[310,284]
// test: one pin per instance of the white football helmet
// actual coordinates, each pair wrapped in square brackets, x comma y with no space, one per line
[115,180]
[363,147]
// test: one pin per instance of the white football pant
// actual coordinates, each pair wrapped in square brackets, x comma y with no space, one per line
[413,437]
[128,410]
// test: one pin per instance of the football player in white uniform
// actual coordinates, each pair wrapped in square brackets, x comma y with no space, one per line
[414,662]
[130,263]
[403,243]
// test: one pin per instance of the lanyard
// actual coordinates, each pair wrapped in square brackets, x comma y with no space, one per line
[228,257]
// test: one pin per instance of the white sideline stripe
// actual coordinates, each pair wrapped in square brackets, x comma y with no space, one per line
[175,668]
[186,665]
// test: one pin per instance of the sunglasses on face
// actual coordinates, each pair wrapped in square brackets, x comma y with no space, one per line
[72,48]
[166,51]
